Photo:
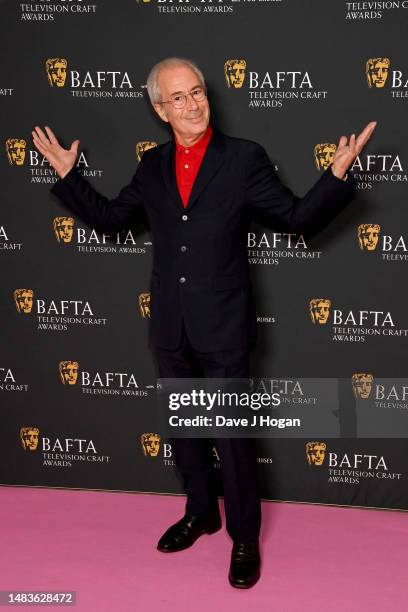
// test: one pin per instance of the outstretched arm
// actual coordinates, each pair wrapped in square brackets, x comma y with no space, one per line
[347,150]
[80,197]
[62,160]
[275,204]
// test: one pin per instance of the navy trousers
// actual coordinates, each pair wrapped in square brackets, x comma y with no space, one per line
[193,456]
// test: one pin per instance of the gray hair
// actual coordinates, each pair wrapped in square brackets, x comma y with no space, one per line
[153,88]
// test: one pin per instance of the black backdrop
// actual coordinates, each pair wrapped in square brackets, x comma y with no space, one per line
[101,324]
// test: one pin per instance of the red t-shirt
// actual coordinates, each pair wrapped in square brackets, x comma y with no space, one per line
[188,162]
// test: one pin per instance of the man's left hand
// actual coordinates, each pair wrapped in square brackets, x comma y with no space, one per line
[347,151]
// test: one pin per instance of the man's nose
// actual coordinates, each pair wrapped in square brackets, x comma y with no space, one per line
[191,103]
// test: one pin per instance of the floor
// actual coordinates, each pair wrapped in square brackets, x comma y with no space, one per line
[103,546]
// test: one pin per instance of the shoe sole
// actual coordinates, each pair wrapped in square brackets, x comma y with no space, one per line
[243,586]
[206,531]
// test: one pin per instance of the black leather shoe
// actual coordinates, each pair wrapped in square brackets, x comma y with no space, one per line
[187,530]
[245,565]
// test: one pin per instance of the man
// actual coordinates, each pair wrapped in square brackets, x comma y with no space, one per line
[199,191]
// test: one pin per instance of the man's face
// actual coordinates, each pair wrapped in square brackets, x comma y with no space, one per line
[193,119]
[379,73]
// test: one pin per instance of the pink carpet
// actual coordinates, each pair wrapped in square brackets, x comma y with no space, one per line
[102,545]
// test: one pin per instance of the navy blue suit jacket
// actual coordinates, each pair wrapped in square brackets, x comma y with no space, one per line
[200,268]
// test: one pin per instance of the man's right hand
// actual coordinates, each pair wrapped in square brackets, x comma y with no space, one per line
[62,160]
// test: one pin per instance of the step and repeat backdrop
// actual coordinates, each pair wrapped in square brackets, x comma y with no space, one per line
[77,379]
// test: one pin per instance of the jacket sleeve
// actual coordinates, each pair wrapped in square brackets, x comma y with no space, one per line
[275,205]
[96,210]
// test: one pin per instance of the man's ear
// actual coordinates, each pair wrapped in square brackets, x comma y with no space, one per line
[161,112]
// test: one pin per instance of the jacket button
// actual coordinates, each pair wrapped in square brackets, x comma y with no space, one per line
[182,279]
[184,217]
[183,248]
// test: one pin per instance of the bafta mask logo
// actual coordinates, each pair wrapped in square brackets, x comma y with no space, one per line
[63,228]
[144,305]
[69,372]
[143,146]
[368,234]
[324,155]
[315,453]
[319,310]
[23,299]
[234,70]
[29,438]
[150,444]
[16,149]
[362,384]
[377,71]
[56,69]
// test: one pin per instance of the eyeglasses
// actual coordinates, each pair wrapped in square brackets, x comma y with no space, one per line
[198,94]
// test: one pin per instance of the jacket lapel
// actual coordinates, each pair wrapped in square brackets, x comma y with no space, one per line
[212,161]
[168,168]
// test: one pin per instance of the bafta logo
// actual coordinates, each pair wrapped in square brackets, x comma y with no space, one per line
[144,305]
[315,453]
[69,372]
[56,69]
[63,228]
[150,444]
[368,234]
[16,148]
[362,384]
[324,155]
[234,70]
[23,299]
[29,438]
[143,146]
[377,71]
[319,310]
